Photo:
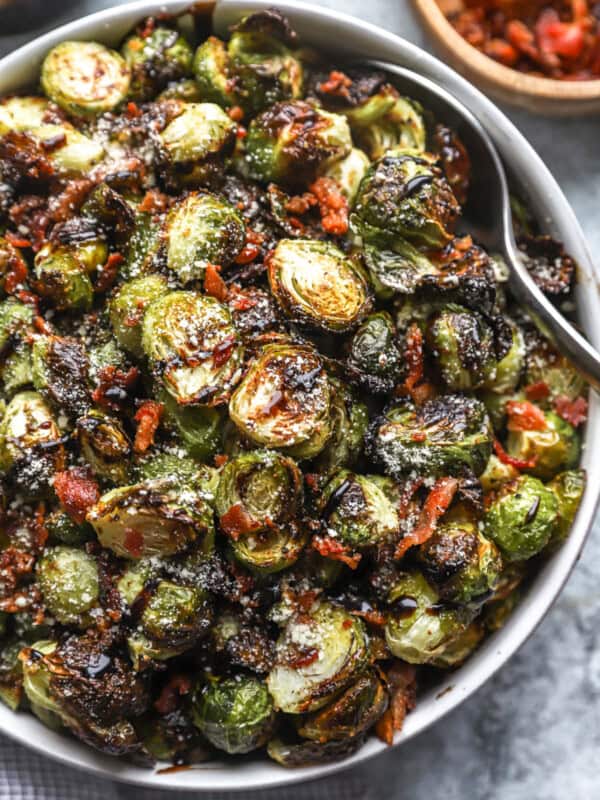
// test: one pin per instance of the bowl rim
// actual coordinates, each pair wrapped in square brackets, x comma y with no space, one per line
[321,26]
[487,70]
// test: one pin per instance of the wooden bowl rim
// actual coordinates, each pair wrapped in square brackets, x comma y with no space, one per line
[491,71]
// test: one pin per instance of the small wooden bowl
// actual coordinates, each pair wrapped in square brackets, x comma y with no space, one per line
[542,95]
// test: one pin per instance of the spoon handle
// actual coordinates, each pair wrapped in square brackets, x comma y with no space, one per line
[548,319]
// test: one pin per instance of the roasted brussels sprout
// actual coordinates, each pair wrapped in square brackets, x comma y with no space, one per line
[154,59]
[192,345]
[105,445]
[507,373]
[419,629]
[349,424]
[263,66]
[548,368]
[374,358]
[289,142]
[551,447]
[284,401]
[462,344]
[455,653]
[348,172]
[306,753]
[62,279]
[234,714]
[63,530]
[318,654]
[568,488]
[259,504]
[404,195]
[11,673]
[16,320]
[193,144]
[59,371]
[202,230]
[127,309]
[151,518]
[316,284]
[212,73]
[357,510]
[445,436]
[522,518]
[70,585]
[386,121]
[198,427]
[459,560]
[23,112]
[85,77]
[496,473]
[72,153]
[11,259]
[144,246]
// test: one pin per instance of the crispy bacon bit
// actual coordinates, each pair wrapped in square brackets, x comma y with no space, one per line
[517,463]
[109,272]
[16,241]
[330,548]
[68,202]
[333,206]
[336,85]
[301,203]
[114,387]
[236,522]
[221,459]
[154,202]
[436,505]
[303,659]
[414,357]
[214,285]
[537,391]
[241,301]
[134,542]
[77,492]
[236,113]
[247,254]
[26,155]
[524,416]
[373,617]
[41,325]
[16,275]
[222,352]
[177,687]
[29,299]
[148,28]
[241,132]
[402,682]
[148,417]
[573,411]
[133,110]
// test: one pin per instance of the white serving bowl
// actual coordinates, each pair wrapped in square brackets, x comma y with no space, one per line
[330,30]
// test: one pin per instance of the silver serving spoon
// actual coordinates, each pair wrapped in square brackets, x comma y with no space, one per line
[488,215]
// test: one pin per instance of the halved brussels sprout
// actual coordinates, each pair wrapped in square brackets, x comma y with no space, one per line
[386,121]
[192,344]
[150,518]
[154,59]
[69,581]
[70,151]
[496,473]
[357,511]
[318,285]
[212,72]
[105,445]
[59,367]
[202,230]
[568,488]
[348,172]
[374,358]
[318,654]
[462,345]
[405,195]
[36,678]
[259,503]
[193,144]
[349,715]
[509,369]
[62,279]
[128,306]
[349,424]
[459,560]
[522,518]
[290,142]
[23,112]
[85,77]
[235,714]
[457,652]
[186,90]
[444,436]
[551,450]
[16,320]
[284,401]
[264,68]
[419,629]
[546,365]
[198,427]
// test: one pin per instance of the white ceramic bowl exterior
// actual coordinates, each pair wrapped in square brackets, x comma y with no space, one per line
[331,30]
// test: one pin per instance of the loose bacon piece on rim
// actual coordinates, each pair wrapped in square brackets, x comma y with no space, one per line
[524,416]
[436,505]
[77,492]
[148,417]
[517,463]
[329,548]
[572,411]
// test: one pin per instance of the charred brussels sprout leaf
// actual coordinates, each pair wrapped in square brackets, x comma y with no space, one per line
[193,144]
[568,488]
[70,585]
[235,714]
[522,518]
[289,142]
[551,449]
[445,436]
[386,121]
[374,358]
[318,654]
[105,445]
[419,629]
[284,401]
[154,60]
[405,195]
[151,518]
[127,309]
[316,284]
[259,503]
[202,230]
[85,77]
[192,345]
[357,510]
[60,368]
